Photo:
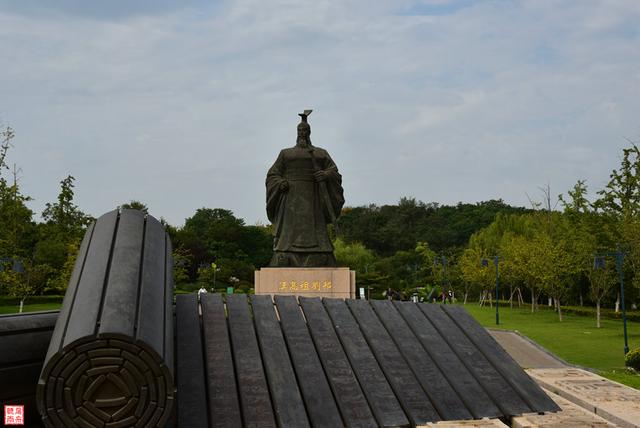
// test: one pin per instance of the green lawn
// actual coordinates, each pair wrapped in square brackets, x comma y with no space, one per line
[576,339]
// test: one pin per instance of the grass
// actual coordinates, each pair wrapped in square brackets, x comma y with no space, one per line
[576,339]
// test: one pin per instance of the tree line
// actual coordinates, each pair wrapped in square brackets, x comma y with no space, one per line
[408,248]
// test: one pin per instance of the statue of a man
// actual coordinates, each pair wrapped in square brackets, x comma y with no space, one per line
[304,194]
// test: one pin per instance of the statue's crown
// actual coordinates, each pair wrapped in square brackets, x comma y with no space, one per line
[304,115]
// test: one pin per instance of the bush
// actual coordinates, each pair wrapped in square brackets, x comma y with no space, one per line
[10,301]
[187,288]
[605,313]
[632,359]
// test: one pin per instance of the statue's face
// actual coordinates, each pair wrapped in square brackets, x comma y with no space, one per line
[304,132]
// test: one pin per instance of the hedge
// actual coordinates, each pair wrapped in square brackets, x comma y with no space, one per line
[10,300]
[590,311]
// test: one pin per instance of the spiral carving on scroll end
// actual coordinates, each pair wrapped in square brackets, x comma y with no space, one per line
[106,383]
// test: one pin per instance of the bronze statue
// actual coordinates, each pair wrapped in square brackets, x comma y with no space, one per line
[304,194]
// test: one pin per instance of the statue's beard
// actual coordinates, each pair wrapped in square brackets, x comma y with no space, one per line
[303,142]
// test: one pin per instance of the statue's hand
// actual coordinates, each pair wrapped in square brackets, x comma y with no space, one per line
[320,176]
[284,186]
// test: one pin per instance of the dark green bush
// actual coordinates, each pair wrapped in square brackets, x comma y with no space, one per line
[605,313]
[632,359]
[10,301]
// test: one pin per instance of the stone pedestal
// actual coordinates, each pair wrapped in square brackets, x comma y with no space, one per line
[308,282]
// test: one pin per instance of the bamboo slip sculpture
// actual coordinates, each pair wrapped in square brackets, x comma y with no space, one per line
[110,360]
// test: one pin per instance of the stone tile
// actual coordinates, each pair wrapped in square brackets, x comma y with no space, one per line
[614,402]
[571,416]
[479,423]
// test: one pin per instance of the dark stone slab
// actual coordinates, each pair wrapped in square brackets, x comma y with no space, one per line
[224,407]
[349,396]
[466,386]
[88,295]
[19,381]
[254,392]
[119,307]
[285,395]
[192,392]
[319,401]
[494,384]
[25,337]
[169,316]
[526,387]
[152,272]
[414,400]
[383,402]
[440,392]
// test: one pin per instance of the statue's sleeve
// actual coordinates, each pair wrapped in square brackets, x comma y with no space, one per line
[334,187]
[274,195]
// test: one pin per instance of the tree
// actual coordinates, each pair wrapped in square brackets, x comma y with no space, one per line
[181,261]
[216,235]
[471,270]
[622,194]
[24,284]
[60,236]
[589,232]
[60,281]
[65,217]
[620,199]
[17,230]
[387,229]
[551,266]
[518,258]
[602,280]
[135,205]
[355,256]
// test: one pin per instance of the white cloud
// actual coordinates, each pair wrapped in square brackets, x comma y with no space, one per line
[188,108]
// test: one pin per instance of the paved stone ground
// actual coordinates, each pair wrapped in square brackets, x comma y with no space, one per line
[527,353]
[571,416]
[481,423]
[613,401]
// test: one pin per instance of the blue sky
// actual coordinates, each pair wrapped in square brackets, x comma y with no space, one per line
[186,104]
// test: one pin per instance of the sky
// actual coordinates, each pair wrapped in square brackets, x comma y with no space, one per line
[184,105]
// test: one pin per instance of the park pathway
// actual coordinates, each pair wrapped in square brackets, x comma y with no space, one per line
[527,353]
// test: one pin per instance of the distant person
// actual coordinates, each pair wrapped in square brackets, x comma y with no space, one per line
[450,296]
[201,291]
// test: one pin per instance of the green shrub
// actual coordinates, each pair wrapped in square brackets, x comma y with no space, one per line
[187,288]
[605,313]
[632,359]
[10,300]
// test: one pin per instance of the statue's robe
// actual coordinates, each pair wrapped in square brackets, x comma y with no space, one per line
[301,213]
